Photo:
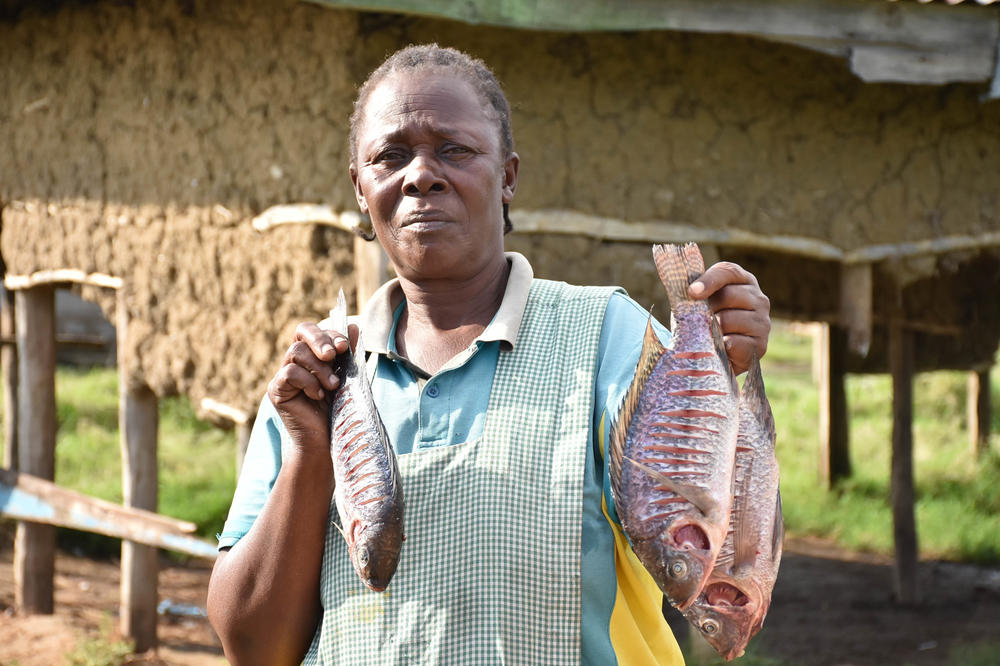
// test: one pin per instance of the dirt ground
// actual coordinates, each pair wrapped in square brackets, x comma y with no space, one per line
[830,608]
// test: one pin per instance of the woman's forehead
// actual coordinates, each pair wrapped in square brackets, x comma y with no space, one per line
[427,98]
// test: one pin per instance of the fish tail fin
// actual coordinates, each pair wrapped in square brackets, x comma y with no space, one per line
[338,315]
[678,266]
[652,351]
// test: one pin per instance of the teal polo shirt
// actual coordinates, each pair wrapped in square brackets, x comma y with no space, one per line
[423,411]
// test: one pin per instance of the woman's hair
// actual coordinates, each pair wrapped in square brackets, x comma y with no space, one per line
[431,57]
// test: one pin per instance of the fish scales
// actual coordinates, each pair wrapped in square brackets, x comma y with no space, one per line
[368,492]
[673,442]
[731,608]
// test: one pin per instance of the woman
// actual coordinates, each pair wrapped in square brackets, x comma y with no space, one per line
[496,390]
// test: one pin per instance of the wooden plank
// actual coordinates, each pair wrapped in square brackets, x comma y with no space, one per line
[138,417]
[856,306]
[371,268]
[833,423]
[34,545]
[978,411]
[8,367]
[892,64]
[61,276]
[902,491]
[29,498]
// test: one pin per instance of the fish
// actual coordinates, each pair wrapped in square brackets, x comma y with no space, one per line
[731,608]
[368,491]
[673,442]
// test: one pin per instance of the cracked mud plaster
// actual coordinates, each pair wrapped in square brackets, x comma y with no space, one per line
[139,139]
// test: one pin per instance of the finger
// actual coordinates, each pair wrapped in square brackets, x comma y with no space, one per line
[301,355]
[324,344]
[718,276]
[741,349]
[292,380]
[749,323]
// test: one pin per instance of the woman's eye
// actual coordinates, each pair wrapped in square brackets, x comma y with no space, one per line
[455,151]
[389,156]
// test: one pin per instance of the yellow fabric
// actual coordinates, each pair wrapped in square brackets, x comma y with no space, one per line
[639,634]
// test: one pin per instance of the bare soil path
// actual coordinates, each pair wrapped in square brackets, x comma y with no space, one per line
[830,608]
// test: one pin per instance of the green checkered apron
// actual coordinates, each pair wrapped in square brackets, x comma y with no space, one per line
[490,569]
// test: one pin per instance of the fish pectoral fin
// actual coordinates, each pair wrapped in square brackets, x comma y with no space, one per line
[696,495]
[341,530]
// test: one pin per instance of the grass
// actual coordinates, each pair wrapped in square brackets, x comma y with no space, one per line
[103,649]
[957,497]
[196,460]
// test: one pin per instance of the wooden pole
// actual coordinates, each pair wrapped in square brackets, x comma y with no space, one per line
[8,366]
[371,268]
[833,425]
[856,306]
[35,544]
[902,493]
[242,442]
[978,411]
[138,417]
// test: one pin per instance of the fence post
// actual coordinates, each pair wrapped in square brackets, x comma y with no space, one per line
[35,544]
[138,417]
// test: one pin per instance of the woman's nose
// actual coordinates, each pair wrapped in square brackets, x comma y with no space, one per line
[423,176]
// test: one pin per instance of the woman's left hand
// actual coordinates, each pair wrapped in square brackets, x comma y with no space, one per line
[744,312]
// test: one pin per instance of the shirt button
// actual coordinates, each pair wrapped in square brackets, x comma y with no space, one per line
[432,391]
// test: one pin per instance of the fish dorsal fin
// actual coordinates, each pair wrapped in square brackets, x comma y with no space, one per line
[700,498]
[652,351]
[755,398]
[778,533]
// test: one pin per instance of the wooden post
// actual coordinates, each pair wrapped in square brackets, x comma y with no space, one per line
[35,544]
[833,426]
[904,524]
[138,418]
[8,367]
[242,442]
[856,306]
[977,402]
[371,268]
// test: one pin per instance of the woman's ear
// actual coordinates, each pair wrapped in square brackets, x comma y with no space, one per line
[510,167]
[358,194]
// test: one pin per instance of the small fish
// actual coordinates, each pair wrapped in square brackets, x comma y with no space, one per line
[730,609]
[368,492]
[673,442]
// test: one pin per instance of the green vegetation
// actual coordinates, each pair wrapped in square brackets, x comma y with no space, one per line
[958,499]
[196,460]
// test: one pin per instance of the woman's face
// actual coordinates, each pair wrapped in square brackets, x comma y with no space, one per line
[431,174]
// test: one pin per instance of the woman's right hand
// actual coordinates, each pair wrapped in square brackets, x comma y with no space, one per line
[302,388]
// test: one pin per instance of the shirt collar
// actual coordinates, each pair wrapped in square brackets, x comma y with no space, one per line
[376,318]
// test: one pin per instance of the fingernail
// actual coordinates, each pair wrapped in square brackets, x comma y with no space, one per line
[697,288]
[333,379]
[326,349]
[320,394]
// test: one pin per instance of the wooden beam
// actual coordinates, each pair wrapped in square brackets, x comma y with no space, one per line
[8,367]
[561,221]
[978,411]
[902,491]
[138,422]
[34,545]
[371,268]
[833,423]
[27,497]
[61,276]
[856,306]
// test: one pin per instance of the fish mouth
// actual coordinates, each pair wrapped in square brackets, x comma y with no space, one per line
[691,536]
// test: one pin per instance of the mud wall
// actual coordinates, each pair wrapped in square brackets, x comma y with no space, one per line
[139,139]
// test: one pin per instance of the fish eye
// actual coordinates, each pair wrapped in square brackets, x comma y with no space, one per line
[677,569]
[709,627]
[363,556]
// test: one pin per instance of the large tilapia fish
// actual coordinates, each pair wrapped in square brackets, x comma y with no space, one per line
[730,609]
[368,492]
[674,440]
